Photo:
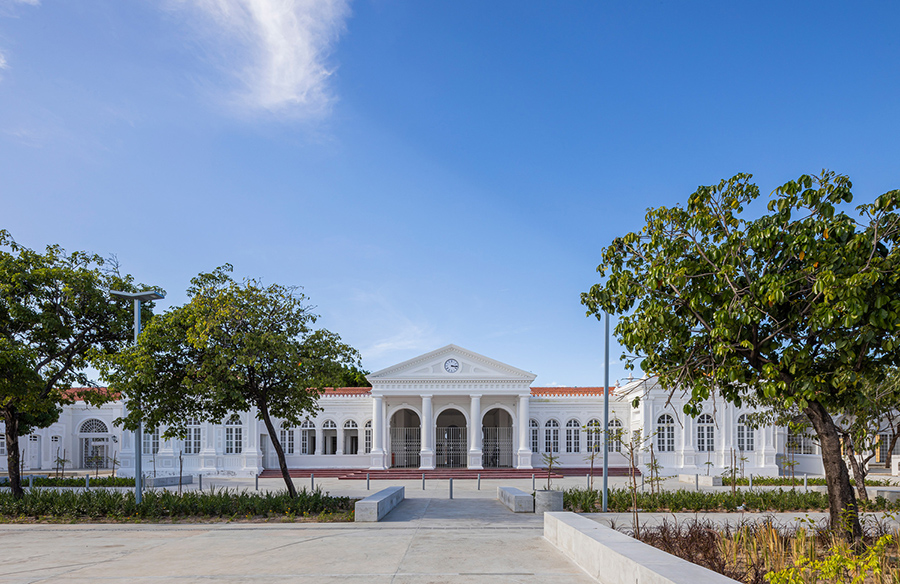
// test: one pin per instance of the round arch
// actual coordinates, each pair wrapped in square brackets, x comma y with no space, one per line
[461,410]
[499,406]
[393,410]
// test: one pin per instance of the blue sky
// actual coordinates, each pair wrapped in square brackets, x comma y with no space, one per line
[430,172]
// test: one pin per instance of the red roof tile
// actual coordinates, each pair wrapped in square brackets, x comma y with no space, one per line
[342,391]
[568,391]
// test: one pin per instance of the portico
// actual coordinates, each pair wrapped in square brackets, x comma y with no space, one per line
[450,408]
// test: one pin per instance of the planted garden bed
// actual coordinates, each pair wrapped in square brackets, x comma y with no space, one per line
[93,505]
[779,500]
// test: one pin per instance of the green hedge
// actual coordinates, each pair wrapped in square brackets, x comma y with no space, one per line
[585,501]
[796,482]
[73,482]
[222,503]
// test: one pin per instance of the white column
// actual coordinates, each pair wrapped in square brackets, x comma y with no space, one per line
[523,452]
[377,433]
[426,455]
[475,432]
[320,439]
[340,439]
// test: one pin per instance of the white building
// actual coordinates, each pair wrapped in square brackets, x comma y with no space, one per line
[447,408]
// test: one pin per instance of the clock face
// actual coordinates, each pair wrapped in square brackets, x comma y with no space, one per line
[451,365]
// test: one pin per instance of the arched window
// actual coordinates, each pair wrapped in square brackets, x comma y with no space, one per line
[535,429]
[192,439]
[551,437]
[573,436]
[368,429]
[665,433]
[307,438]
[593,435]
[615,435]
[744,435]
[234,443]
[151,441]
[93,426]
[329,425]
[287,438]
[706,433]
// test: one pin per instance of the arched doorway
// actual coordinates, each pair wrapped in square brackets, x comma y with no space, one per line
[95,444]
[450,447]
[497,439]
[406,439]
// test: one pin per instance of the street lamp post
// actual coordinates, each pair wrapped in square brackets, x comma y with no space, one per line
[138,298]
[606,416]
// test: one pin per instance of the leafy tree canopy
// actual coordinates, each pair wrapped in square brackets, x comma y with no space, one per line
[55,308]
[797,307]
[233,347]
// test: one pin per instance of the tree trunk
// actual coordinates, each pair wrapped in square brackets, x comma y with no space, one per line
[843,511]
[859,472]
[13,462]
[890,452]
[278,450]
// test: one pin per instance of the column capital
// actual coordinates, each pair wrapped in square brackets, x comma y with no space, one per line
[427,396]
[475,395]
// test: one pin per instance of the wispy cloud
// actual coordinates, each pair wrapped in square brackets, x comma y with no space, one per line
[277,50]
[7,8]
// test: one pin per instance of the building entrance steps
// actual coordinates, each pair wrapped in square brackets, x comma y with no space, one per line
[400,474]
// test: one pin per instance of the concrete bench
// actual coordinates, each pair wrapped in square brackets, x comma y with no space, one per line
[891,495]
[375,507]
[517,500]
[700,480]
[167,481]
[615,558]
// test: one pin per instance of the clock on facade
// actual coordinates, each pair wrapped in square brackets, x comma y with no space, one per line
[451,365]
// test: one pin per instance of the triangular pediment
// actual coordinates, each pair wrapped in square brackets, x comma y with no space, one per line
[451,363]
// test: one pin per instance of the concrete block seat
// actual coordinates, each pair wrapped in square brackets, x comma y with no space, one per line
[615,558]
[375,507]
[517,500]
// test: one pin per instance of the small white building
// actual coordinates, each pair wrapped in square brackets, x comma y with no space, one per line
[450,408]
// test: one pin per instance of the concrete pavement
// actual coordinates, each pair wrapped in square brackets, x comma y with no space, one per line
[424,540]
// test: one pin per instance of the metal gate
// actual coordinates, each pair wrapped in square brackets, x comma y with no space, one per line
[94,452]
[405,446]
[451,447]
[497,448]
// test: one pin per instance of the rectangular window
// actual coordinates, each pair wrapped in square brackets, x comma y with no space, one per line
[233,444]
[192,441]
[551,440]
[151,441]
[287,440]
[534,439]
[368,440]
[572,440]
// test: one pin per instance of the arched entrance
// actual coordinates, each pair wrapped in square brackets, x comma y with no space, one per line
[497,439]
[95,443]
[406,439]
[450,447]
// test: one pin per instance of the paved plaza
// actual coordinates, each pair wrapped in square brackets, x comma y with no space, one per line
[429,538]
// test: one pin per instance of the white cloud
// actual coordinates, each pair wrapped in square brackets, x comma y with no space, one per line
[276,49]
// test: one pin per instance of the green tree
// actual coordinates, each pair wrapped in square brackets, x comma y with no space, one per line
[233,347]
[798,306]
[55,307]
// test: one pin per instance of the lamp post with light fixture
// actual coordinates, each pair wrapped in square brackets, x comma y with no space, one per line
[138,297]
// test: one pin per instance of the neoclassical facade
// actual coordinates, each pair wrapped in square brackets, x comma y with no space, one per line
[449,408]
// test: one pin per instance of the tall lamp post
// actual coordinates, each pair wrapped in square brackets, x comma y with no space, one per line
[606,415]
[138,298]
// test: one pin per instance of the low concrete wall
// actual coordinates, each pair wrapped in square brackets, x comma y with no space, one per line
[699,479]
[375,507]
[517,500]
[891,495]
[615,558]
[169,481]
